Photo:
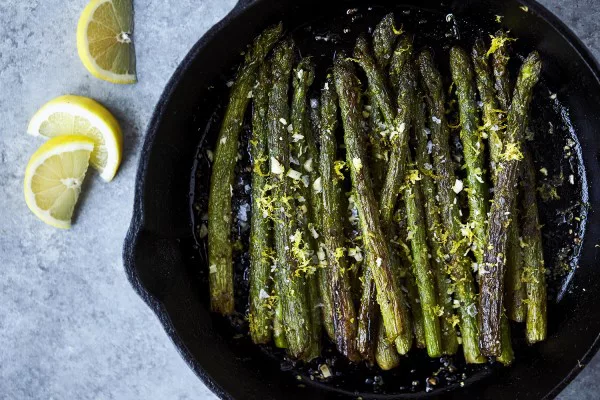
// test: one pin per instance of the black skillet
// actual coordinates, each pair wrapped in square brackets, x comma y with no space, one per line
[164,260]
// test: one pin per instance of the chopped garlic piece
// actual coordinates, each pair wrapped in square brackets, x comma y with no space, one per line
[295,175]
[317,186]
[308,165]
[276,167]
[458,186]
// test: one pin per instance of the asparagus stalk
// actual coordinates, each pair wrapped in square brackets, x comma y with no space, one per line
[462,75]
[278,327]
[326,116]
[260,232]
[220,248]
[502,75]
[344,313]
[305,150]
[290,280]
[459,267]
[421,267]
[492,271]
[492,127]
[515,288]
[403,257]
[384,39]
[398,122]
[379,154]
[368,318]
[385,354]
[389,295]
[434,229]
[378,89]
[536,322]
[383,45]
[416,311]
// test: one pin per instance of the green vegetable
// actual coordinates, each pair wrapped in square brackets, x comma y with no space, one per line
[368,319]
[260,232]
[385,354]
[344,313]
[290,280]
[493,126]
[492,271]
[416,311]
[389,295]
[515,289]
[463,77]
[220,247]
[384,39]
[534,277]
[278,326]
[398,122]
[422,268]
[501,74]
[459,267]
[305,151]
[434,229]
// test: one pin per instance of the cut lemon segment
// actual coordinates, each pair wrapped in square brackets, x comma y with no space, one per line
[54,176]
[76,115]
[104,40]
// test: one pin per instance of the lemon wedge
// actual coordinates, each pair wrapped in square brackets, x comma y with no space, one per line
[104,40]
[54,176]
[76,115]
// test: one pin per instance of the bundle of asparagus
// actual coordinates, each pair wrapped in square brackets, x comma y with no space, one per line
[416,279]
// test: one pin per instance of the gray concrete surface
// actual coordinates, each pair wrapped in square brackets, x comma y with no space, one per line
[70,325]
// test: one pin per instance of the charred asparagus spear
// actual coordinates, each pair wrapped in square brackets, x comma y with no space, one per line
[327,116]
[305,151]
[536,322]
[492,126]
[368,319]
[434,229]
[421,267]
[389,295]
[459,267]
[219,205]
[398,122]
[290,280]
[278,326]
[492,271]
[384,39]
[344,313]
[385,354]
[261,321]
[463,77]
[515,287]
[502,81]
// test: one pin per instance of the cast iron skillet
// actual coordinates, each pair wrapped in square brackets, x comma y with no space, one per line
[161,261]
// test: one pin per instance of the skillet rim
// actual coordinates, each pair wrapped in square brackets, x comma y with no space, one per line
[137,222]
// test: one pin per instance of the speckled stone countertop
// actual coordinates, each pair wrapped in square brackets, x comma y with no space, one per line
[71,327]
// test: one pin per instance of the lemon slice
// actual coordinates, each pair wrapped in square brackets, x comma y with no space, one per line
[54,176]
[76,115]
[104,40]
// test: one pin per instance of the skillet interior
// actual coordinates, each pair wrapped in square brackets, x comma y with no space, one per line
[159,254]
